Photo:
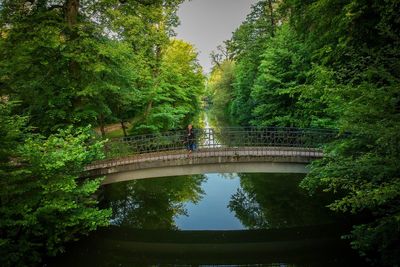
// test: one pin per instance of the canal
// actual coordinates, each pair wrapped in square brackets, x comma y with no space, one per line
[215,220]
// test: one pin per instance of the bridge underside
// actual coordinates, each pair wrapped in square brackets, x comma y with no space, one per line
[232,160]
[240,167]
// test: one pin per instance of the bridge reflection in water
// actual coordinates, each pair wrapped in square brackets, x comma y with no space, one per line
[281,225]
[218,150]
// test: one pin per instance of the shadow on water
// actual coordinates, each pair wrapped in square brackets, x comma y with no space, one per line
[279,225]
[302,246]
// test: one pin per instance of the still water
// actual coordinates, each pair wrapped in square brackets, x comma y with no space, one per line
[215,220]
[211,212]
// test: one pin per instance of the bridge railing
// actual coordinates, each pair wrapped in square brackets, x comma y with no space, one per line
[214,139]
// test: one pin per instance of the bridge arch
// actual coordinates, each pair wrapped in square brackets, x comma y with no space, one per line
[249,160]
[227,150]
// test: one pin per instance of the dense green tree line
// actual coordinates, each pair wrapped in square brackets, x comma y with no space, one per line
[66,65]
[96,61]
[327,63]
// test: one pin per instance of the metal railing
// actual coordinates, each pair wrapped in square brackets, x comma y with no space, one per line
[217,139]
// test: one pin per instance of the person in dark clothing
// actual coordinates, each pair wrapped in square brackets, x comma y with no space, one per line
[190,138]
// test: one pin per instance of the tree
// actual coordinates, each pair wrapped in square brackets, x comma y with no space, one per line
[244,47]
[43,203]
[331,63]
[147,27]
[60,65]
[176,100]
[357,42]
[282,69]
[74,62]
[365,166]
[70,63]
[220,87]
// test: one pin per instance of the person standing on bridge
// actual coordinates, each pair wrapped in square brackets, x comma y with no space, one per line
[190,138]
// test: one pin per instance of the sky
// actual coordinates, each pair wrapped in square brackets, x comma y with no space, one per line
[207,23]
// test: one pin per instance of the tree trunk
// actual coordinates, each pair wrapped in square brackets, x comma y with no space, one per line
[271,10]
[102,127]
[148,108]
[123,128]
[71,12]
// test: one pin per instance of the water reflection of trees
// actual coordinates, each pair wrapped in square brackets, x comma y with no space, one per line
[152,203]
[267,201]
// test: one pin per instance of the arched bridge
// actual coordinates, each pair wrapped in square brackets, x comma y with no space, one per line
[224,150]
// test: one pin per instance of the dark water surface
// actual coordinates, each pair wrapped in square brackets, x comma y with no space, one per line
[215,220]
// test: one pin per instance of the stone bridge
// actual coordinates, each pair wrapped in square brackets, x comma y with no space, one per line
[227,150]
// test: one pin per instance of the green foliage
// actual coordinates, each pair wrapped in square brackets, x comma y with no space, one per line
[62,80]
[242,104]
[283,69]
[220,88]
[11,132]
[331,63]
[245,46]
[43,202]
[169,78]
[366,167]
[175,100]
[362,55]
[104,64]
[69,64]
[275,81]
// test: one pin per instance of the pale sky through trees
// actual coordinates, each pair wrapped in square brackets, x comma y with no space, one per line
[207,23]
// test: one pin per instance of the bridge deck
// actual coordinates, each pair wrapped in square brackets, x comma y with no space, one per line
[221,155]
[248,149]
[309,153]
